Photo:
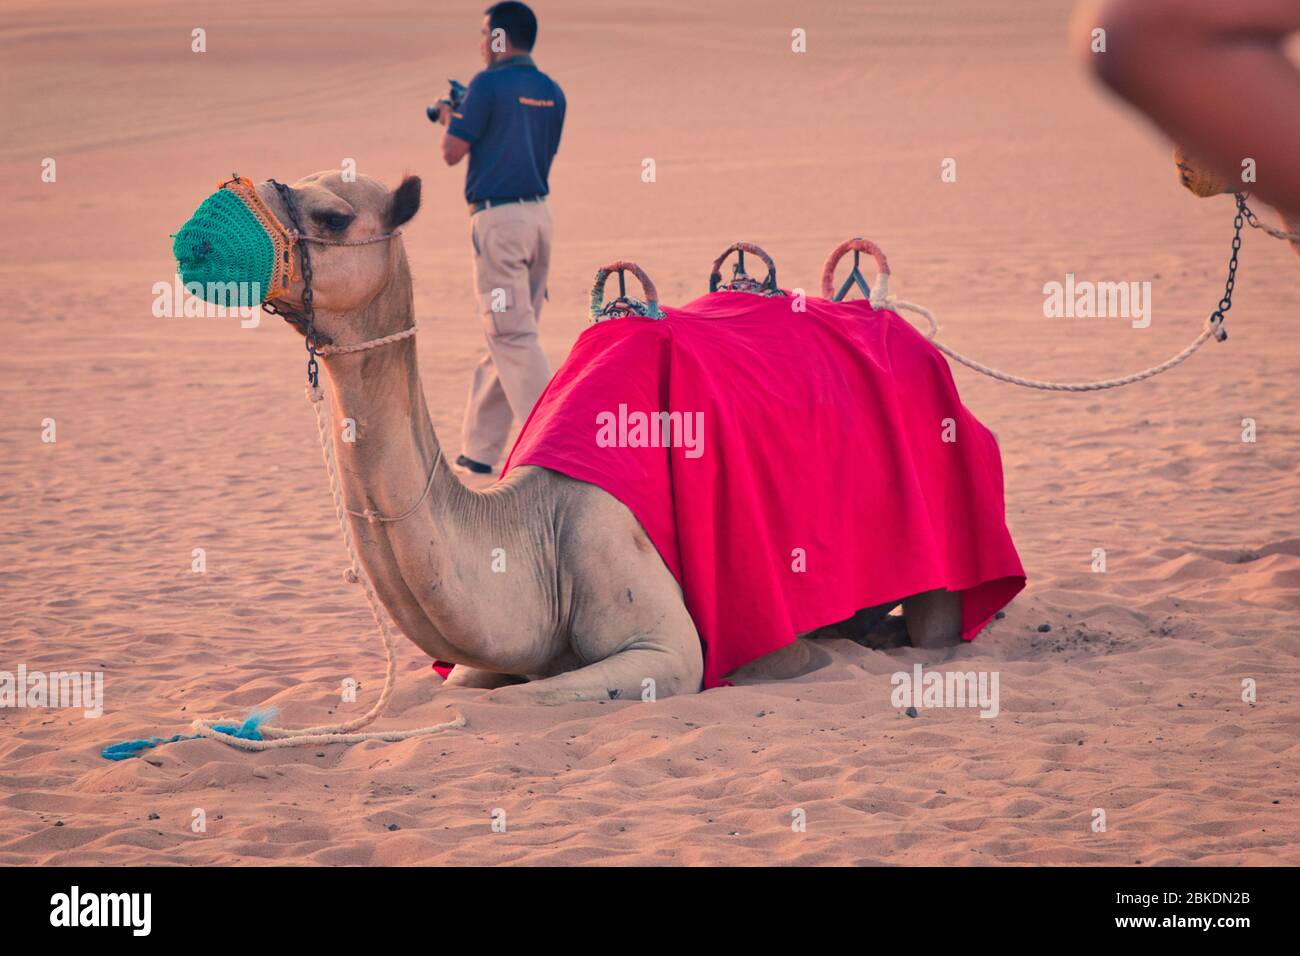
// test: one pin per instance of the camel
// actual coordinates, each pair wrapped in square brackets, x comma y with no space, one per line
[587,609]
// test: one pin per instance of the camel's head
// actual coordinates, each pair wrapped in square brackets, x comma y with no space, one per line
[345,279]
[250,244]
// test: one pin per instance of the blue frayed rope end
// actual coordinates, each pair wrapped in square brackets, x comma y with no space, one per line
[250,729]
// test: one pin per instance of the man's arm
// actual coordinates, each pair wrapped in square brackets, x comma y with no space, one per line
[468,123]
[454,149]
[1212,74]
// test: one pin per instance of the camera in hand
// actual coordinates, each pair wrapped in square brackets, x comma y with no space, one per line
[454,97]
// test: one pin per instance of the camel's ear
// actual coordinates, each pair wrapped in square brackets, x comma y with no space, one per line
[404,203]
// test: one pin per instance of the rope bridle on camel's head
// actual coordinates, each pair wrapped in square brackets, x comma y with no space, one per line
[305,320]
[286,240]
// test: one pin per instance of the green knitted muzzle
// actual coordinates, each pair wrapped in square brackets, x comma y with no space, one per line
[226,251]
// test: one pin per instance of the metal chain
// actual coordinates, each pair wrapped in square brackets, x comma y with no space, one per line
[1248,212]
[1219,314]
[308,304]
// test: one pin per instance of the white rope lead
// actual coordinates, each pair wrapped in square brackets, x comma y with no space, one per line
[1275,232]
[1207,333]
[349,731]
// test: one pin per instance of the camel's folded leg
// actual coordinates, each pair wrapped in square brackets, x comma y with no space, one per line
[639,672]
[933,618]
[462,676]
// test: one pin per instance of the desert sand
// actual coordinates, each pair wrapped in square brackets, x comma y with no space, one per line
[175,434]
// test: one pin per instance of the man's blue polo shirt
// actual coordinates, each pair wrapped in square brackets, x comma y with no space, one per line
[511,117]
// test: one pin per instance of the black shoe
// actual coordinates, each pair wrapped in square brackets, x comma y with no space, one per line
[470,465]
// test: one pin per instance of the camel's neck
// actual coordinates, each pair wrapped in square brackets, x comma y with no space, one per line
[387,466]
[386,449]
[434,570]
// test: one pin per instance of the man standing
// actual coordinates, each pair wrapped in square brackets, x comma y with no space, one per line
[509,124]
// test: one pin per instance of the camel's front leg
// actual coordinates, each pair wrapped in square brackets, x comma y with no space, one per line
[933,618]
[642,671]
[462,676]
[621,609]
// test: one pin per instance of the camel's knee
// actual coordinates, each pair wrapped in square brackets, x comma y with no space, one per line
[677,668]
[933,618]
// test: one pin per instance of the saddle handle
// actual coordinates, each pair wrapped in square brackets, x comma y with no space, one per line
[857,246]
[623,305]
[715,273]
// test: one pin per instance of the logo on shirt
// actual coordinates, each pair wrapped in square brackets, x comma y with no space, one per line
[529,101]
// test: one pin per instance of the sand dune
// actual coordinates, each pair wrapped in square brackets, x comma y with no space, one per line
[175,434]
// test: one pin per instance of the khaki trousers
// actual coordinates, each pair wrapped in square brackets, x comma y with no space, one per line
[512,252]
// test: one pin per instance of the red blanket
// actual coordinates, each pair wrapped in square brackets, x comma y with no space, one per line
[817,462]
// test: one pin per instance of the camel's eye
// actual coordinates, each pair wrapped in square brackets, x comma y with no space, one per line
[334,221]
